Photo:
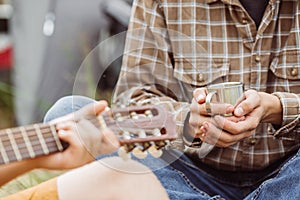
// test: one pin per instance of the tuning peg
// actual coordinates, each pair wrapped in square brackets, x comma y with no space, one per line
[126,135]
[122,152]
[118,117]
[142,134]
[148,113]
[134,115]
[101,121]
[156,132]
[156,153]
[139,153]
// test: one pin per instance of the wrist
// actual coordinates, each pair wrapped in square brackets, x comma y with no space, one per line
[272,108]
[37,162]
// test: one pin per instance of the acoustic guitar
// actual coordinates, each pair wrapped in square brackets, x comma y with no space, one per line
[139,130]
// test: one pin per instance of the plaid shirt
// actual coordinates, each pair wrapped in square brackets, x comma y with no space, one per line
[175,46]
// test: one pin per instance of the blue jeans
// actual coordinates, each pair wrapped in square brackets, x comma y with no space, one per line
[185,178]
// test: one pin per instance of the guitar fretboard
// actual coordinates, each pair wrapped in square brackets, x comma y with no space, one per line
[138,129]
[28,142]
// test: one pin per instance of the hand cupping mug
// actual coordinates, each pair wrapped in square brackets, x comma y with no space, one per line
[228,92]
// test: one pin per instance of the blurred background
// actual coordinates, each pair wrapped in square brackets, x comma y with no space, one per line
[6,101]
[43,46]
[43,43]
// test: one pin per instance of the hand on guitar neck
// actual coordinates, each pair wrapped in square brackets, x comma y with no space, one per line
[88,132]
[80,135]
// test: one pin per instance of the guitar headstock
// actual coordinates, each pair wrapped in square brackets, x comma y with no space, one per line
[140,129]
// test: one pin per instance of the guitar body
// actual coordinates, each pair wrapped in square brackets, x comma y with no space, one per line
[139,129]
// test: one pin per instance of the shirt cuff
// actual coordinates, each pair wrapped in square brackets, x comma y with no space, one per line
[290,112]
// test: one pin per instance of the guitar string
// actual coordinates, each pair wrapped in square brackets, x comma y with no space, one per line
[19,137]
[32,134]
[39,151]
[27,155]
[18,133]
[36,145]
[31,129]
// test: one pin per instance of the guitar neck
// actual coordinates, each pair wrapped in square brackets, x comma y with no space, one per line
[28,142]
[136,128]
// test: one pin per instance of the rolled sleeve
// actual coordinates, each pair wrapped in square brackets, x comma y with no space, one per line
[290,113]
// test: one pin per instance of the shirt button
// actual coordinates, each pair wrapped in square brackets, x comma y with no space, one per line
[257,58]
[252,141]
[294,71]
[244,21]
[270,129]
[200,77]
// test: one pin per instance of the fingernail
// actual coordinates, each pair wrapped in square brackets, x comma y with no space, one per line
[62,132]
[200,97]
[202,129]
[239,111]
[217,117]
[205,125]
[59,125]
[229,109]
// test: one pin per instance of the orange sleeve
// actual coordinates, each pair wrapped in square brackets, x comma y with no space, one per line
[46,191]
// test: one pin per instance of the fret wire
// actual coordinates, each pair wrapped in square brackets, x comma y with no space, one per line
[32,137]
[30,132]
[41,139]
[28,148]
[3,153]
[9,150]
[35,143]
[54,133]
[52,149]
[14,144]
[29,128]
[27,142]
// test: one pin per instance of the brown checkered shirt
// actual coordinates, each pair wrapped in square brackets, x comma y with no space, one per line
[175,46]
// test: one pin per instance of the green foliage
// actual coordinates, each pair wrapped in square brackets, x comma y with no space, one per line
[6,95]
[6,105]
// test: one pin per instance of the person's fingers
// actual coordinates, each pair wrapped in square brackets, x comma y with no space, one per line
[216,108]
[251,101]
[221,108]
[250,123]
[68,137]
[110,141]
[66,125]
[66,132]
[90,109]
[210,133]
[221,138]
[199,94]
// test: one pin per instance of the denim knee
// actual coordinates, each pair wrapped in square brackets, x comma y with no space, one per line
[66,105]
